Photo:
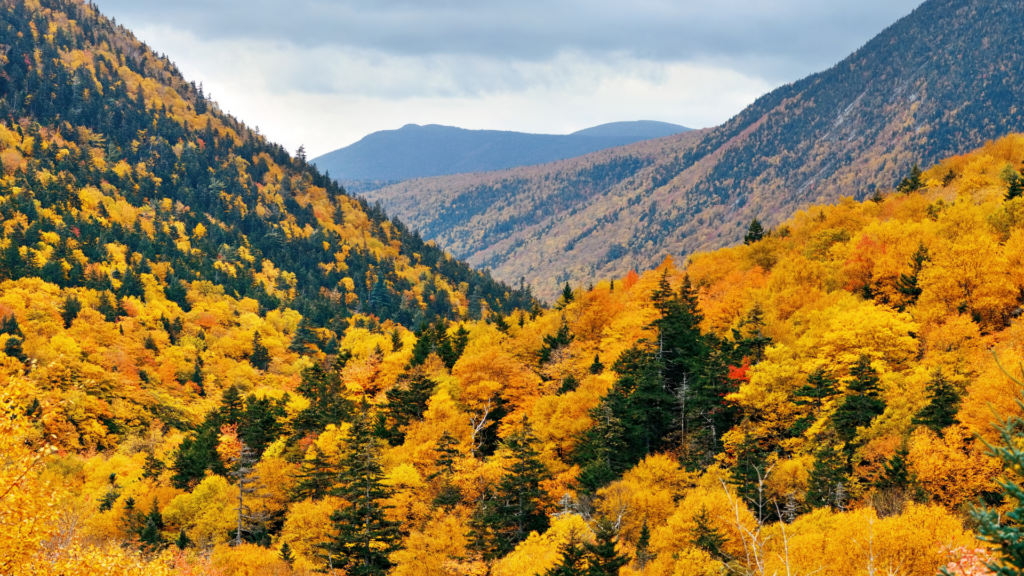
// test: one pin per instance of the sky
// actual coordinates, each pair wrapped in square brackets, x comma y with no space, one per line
[325,73]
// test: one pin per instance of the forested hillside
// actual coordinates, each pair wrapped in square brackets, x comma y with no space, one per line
[942,80]
[813,401]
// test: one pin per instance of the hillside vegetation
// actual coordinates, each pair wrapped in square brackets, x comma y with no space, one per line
[943,80]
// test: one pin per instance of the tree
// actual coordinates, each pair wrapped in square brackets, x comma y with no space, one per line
[327,403]
[316,477]
[572,562]
[912,183]
[196,454]
[365,536]
[407,402]
[895,473]
[597,367]
[246,477]
[151,535]
[554,342]
[183,540]
[828,476]
[907,284]
[943,404]
[70,309]
[755,232]
[602,558]
[566,298]
[819,388]
[516,507]
[861,405]
[643,547]
[286,554]
[707,537]
[260,356]
[306,339]
[447,454]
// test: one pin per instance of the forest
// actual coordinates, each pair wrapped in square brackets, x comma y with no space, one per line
[217,362]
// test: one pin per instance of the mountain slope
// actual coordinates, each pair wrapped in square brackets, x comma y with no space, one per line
[419,151]
[942,80]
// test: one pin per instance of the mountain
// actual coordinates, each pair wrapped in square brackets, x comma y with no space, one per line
[418,151]
[944,79]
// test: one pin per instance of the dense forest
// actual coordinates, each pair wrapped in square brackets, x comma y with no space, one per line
[215,362]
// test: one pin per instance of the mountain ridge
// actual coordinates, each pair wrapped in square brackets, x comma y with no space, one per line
[935,83]
[415,151]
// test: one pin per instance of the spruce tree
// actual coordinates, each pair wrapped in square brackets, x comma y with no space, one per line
[286,554]
[895,474]
[907,284]
[305,339]
[151,529]
[566,298]
[819,388]
[365,536]
[827,475]
[107,308]
[555,342]
[516,507]
[327,402]
[862,403]
[755,232]
[449,494]
[602,558]
[183,540]
[912,183]
[597,367]
[943,404]
[572,561]
[317,476]
[707,537]
[644,556]
[260,356]
[69,311]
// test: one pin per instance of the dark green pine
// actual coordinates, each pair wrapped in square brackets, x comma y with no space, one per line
[819,388]
[895,473]
[828,473]
[707,537]
[596,367]
[70,309]
[572,561]
[755,232]
[365,536]
[183,540]
[602,557]
[862,403]
[316,477]
[644,556]
[260,356]
[943,404]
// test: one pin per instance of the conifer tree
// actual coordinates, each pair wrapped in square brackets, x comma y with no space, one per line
[286,554]
[602,557]
[755,232]
[862,403]
[260,356]
[912,183]
[407,402]
[396,340]
[197,374]
[707,537]
[449,494]
[597,367]
[572,561]
[306,339]
[566,298]
[246,480]
[150,534]
[183,540]
[516,507]
[69,311]
[907,284]
[943,404]
[316,478]
[365,536]
[895,473]
[827,476]
[107,308]
[555,342]
[819,388]
[644,556]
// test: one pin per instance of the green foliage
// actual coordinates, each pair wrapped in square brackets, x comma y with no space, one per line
[260,355]
[943,404]
[572,561]
[602,557]
[861,404]
[707,537]
[912,183]
[755,232]
[69,311]
[325,392]
[286,554]
[828,479]
[819,388]
[643,547]
[316,477]
[566,298]
[183,540]
[554,342]
[365,537]
[907,284]
[407,401]
[597,367]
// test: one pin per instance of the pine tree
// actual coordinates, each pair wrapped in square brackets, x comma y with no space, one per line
[131,285]
[755,232]
[365,537]
[555,342]
[895,473]
[396,340]
[827,475]
[286,554]
[566,298]
[819,388]
[707,537]
[305,339]
[246,479]
[597,367]
[69,311]
[407,402]
[106,307]
[516,507]
[644,556]
[260,356]
[316,478]
[196,454]
[943,404]
[572,561]
[152,525]
[327,402]
[907,284]
[197,374]
[749,473]
[183,540]
[602,558]
[862,403]
[449,494]
[912,183]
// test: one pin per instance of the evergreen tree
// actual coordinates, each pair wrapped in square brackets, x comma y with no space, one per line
[572,562]
[644,556]
[906,284]
[232,406]
[705,536]
[555,342]
[69,311]
[406,403]
[602,453]
[131,285]
[396,340]
[197,374]
[602,558]
[107,308]
[819,388]
[449,494]
[755,232]
[895,473]
[183,540]
[749,473]
[316,478]
[912,183]
[516,508]
[327,402]
[862,403]
[943,404]
[566,298]
[286,554]
[196,454]
[306,339]
[245,479]
[597,367]
[827,475]
[12,348]
[751,341]
[260,356]
[365,537]
[152,525]
[177,292]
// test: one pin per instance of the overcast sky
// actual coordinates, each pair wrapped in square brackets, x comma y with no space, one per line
[325,73]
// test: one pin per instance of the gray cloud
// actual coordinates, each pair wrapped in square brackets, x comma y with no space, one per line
[775,39]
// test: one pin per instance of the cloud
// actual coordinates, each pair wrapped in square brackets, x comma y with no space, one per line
[327,72]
